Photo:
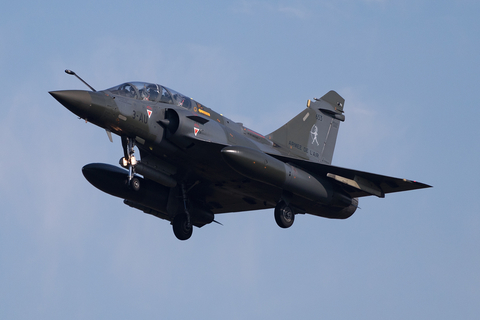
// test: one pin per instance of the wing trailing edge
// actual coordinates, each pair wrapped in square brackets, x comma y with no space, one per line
[360,184]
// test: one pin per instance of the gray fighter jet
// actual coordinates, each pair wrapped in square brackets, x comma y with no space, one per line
[195,163]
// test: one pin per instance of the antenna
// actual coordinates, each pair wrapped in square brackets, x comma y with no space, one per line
[70,72]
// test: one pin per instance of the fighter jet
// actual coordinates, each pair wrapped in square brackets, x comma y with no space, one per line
[195,163]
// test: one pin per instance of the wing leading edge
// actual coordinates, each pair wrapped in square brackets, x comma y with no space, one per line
[356,183]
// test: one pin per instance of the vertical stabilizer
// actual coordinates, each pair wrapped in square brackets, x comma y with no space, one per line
[313,132]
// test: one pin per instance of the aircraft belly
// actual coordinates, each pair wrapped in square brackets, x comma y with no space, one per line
[224,190]
[227,199]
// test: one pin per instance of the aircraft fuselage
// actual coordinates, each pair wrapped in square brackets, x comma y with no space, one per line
[196,163]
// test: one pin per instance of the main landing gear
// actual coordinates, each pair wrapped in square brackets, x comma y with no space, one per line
[284,215]
[182,227]
[129,162]
[181,223]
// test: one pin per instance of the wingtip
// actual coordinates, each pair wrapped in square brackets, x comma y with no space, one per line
[420,184]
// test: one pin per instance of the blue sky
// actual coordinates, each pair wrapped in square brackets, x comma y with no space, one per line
[409,72]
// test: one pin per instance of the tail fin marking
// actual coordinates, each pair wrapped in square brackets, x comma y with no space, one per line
[319,122]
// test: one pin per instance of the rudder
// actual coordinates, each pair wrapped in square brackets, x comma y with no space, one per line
[312,134]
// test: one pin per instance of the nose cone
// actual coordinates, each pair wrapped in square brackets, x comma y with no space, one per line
[77,101]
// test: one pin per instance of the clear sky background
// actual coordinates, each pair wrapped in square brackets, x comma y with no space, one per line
[409,72]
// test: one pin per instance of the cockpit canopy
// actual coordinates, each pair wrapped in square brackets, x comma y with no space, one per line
[151,92]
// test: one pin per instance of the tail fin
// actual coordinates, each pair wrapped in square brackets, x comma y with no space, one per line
[313,132]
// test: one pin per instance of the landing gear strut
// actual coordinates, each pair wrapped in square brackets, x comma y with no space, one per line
[284,215]
[182,225]
[129,162]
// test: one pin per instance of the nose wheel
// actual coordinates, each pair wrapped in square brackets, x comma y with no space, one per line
[135,184]
[129,162]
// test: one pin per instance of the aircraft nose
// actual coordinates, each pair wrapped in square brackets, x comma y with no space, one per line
[77,101]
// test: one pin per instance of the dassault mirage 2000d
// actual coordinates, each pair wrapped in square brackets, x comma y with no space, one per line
[195,163]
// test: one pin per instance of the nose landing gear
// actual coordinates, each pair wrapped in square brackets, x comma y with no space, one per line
[129,162]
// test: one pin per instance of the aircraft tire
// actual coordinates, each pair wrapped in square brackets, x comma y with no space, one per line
[135,184]
[284,215]
[181,228]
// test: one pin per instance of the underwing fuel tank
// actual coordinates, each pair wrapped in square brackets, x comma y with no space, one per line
[152,197]
[259,166]
[113,180]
